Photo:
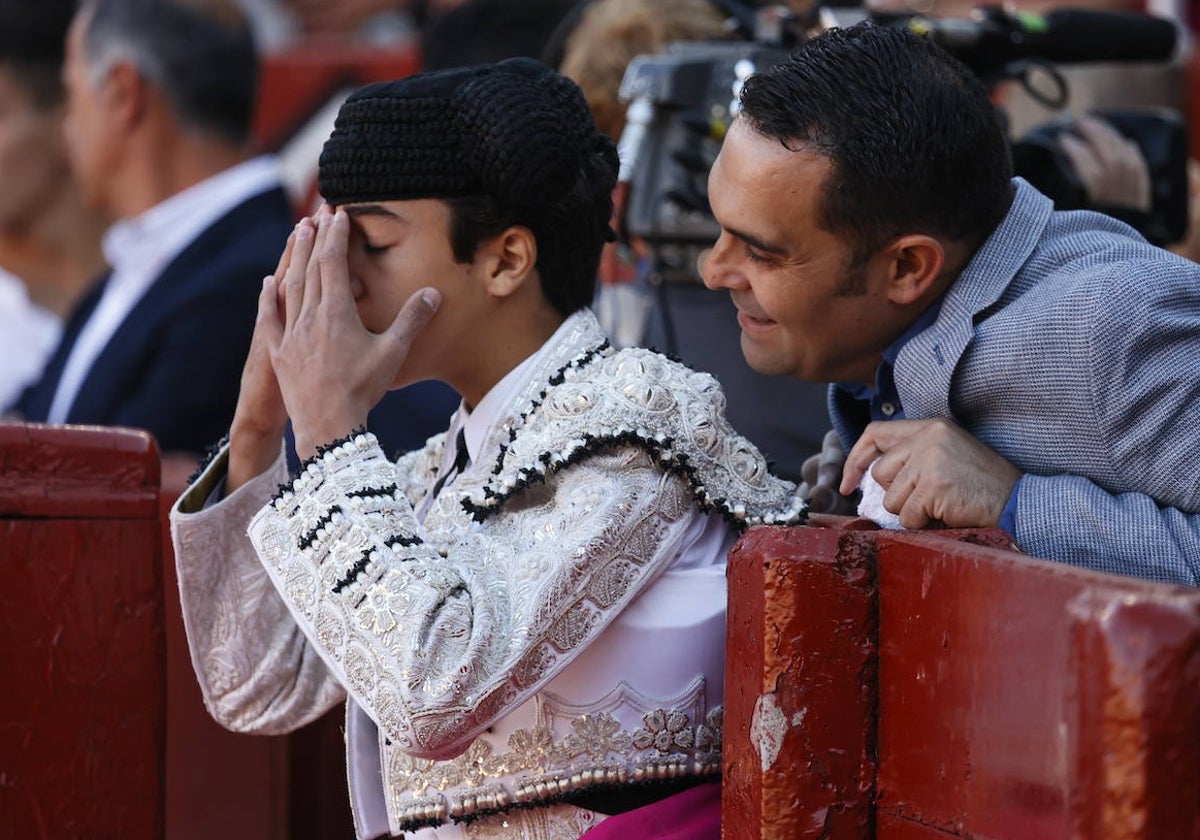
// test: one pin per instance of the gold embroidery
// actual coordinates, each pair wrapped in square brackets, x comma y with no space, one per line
[539,769]
[557,822]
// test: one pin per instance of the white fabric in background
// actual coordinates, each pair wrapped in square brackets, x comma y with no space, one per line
[28,336]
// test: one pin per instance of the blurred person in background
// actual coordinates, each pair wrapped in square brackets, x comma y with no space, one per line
[483,31]
[159,101]
[279,24]
[49,241]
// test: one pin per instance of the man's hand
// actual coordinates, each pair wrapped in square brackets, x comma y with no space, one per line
[260,417]
[934,473]
[331,369]
[819,476]
[1112,168]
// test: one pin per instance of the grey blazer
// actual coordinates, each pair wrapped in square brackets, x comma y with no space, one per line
[1072,347]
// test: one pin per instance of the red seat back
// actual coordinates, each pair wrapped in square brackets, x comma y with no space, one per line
[82,710]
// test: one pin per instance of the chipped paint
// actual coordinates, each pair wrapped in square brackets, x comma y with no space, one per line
[767,729]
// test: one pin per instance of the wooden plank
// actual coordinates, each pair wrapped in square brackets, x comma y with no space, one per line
[1020,698]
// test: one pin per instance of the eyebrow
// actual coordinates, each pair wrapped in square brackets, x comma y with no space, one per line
[378,210]
[755,242]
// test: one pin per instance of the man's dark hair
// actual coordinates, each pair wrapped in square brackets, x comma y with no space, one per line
[915,143]
[32,38]
[568,232]
[202,57]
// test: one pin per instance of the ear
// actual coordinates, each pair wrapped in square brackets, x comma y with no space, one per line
[915,263]
[125,94]
[509,259]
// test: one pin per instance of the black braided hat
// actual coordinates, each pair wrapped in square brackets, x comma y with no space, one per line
[515,130]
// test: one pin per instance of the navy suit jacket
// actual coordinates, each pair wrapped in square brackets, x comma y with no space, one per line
[174,365]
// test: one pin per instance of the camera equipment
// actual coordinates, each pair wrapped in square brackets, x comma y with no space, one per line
[682,102]
[992,38]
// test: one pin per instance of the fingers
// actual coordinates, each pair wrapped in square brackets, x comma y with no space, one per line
[416,313]
[1111,166]
[333,266]
[862,454]
[823,499]
[833,456]
[312,273]
[810,469]
[285,258]
[820,474]
[294,276]
[901,499]
[268,325]
[1108,144]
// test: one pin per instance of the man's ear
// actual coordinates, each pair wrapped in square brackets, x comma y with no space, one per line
[915,263]
[125,93]
[511,258]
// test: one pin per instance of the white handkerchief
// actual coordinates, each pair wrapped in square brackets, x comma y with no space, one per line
[871,507]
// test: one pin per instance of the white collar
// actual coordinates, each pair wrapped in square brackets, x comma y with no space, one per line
[164,230]
[477,425]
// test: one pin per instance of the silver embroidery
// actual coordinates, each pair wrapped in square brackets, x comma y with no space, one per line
[438,630]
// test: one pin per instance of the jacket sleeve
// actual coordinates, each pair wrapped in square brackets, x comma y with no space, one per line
[256,670]
[1071,519]
[437,641]
[1138,511]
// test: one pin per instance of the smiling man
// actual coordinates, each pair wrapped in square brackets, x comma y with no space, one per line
[526,617]
[998,362]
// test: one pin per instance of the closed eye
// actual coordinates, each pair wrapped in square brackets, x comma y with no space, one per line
[756,257]
[373,250]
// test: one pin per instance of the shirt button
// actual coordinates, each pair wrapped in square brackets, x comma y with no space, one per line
[888,409]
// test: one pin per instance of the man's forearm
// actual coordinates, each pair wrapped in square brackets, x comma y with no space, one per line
[1072,520]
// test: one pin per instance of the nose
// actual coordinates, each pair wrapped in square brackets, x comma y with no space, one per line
[716,268]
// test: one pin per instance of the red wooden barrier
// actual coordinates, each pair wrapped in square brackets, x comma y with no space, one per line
[912,686]
[81,638]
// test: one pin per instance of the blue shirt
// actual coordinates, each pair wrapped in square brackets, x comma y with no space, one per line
[884,400]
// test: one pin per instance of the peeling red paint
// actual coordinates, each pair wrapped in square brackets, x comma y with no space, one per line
[818,784]
[952,687]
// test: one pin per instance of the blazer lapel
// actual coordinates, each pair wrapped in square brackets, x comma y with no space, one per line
[117,368]
[926,364]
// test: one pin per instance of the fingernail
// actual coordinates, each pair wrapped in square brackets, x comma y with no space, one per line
[432,299]
[303,230]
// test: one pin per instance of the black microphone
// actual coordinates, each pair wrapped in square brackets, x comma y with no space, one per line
[1064,36]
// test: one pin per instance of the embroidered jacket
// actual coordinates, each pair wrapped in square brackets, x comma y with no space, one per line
[456,635]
